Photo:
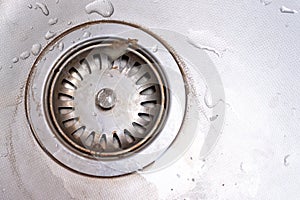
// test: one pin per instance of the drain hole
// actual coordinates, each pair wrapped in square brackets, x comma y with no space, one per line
[65,97]
[103,141]
[129,137]
[90,139]
[70,122]
[143,79]
[149,104]
[97,60]
[65,110]
[75,74]
[125,58]
[148,91]
[76,134]
[85,65]
[67,84]
[116,141]
[146,117]
[69,93]
[135,68]
[139,128]
[123,62]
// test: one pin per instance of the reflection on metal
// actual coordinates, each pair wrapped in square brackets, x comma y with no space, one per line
[105,105]
[127,88]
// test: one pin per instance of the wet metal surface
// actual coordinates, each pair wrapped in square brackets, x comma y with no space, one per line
[257,155]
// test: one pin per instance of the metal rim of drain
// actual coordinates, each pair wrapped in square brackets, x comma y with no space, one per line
[108,98]
[110,131]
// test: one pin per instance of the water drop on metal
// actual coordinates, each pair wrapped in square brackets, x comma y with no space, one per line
[52,21]
[102,7]
[86,34]
[49,35]
[36,48]
[266,2]
[61,46]
[43,8]
[284,9]
[15,60]
[155,48]
[52,48]
[25,55]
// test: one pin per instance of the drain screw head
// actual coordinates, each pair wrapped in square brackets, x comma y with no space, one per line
[106,99]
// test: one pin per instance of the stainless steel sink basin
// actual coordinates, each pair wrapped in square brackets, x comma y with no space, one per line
[244,146]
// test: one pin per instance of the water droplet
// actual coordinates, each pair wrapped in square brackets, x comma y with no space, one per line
[213,118]
[49,35]
[86,34]
[208,41]
[25,55]
[31,27]
[57,1]
[43,8]
[36,48]
[15,60]
[284,9]
[52,21]
[10,66]
[69,23]
[208,101]
[155,48]
[52,48]
[285,160]
[61,46]
[102,7]
[266,2]
[109,75]
[242,167]
[94,114]
[29,6]
[56,145]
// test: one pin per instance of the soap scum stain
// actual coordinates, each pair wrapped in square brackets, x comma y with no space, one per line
[12,158]
[11,149]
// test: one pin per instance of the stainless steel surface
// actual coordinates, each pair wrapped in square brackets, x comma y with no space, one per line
[253,45]
[61,99]
[101,121]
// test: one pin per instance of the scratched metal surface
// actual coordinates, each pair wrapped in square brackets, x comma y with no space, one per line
[258,153]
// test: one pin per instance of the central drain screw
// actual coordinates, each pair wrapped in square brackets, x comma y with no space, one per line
[106,99]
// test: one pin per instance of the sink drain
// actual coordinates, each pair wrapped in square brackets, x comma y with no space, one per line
[106,102]
[106,105]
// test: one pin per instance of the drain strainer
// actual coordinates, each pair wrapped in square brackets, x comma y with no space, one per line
[106,105]
[109,98]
